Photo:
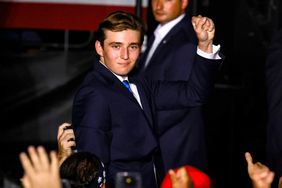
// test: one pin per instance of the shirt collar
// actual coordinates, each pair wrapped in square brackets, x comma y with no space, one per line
[162,30]
[121,78]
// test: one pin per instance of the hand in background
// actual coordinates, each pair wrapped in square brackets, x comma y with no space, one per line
[260,174]
[66,140]
[39,171]
[280,182]
[180,179]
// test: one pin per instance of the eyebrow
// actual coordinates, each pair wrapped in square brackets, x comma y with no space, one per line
[135,43]
[115,43]
[120,43]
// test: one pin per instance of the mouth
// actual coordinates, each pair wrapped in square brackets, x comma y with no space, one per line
[124,64]
[158,13]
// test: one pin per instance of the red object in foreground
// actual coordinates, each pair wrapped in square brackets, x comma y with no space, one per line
[199,178]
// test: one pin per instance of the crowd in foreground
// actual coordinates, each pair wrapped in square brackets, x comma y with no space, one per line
[71,169]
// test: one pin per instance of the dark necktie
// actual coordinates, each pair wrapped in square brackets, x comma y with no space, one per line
[126,84]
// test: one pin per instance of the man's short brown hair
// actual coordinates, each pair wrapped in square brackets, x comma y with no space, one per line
[120,21]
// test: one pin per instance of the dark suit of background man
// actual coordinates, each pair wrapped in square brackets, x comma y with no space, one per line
[274,103]
[116,123]
[181,131]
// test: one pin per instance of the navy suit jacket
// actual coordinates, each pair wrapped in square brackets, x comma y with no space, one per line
[109,122]
[180,131]
[274,103]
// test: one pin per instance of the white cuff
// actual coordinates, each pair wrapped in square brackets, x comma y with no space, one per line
[213,55]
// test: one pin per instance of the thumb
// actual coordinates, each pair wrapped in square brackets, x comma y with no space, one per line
[25,182]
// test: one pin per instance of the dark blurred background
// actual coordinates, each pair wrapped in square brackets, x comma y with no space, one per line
[40,69]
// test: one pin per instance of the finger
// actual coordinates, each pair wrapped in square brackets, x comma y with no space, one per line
[280,182]
[263,173]
[199,16]
[182,174]
[258,164]
[201,24]
[206,25]
[61,129]
[70,140]
[69,131]
[201,20]
[184,177]
[25,182]
[34,157]
[262,169]
[173,177]
[195,21]
[249,158]
[67,134]
[270,178]
[43,157]
[54,162]
[209,25]
[71,144]
[181,171]
[67,141]
[26,164]
[64,127]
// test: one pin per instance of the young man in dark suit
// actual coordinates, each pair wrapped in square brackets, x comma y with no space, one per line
[171,57]
[116,121]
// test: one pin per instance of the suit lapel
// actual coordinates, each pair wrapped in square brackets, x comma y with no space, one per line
[143,56]
[183,26]
[116,86]
[113,82]
[147,110]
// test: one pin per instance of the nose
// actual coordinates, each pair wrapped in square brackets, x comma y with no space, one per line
[124,53]
[158,4]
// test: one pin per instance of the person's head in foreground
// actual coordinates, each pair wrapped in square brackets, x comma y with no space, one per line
[83,169]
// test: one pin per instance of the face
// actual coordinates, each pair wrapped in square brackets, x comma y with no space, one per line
[167,10]
[120,50]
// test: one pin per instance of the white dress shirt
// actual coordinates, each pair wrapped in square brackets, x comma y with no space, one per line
[132,86]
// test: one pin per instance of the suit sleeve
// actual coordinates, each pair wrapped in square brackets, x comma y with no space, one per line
[91,121]
[183,94]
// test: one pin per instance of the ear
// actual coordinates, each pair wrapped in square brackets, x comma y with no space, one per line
[184,4]
[99,48]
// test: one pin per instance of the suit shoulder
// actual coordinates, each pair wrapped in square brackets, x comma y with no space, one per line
[90,86]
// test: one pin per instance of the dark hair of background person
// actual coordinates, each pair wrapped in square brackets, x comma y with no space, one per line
[83,169]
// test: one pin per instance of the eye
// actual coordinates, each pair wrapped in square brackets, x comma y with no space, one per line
[133,47]
[115,46]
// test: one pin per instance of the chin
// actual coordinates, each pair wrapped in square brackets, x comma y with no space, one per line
[123,73]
